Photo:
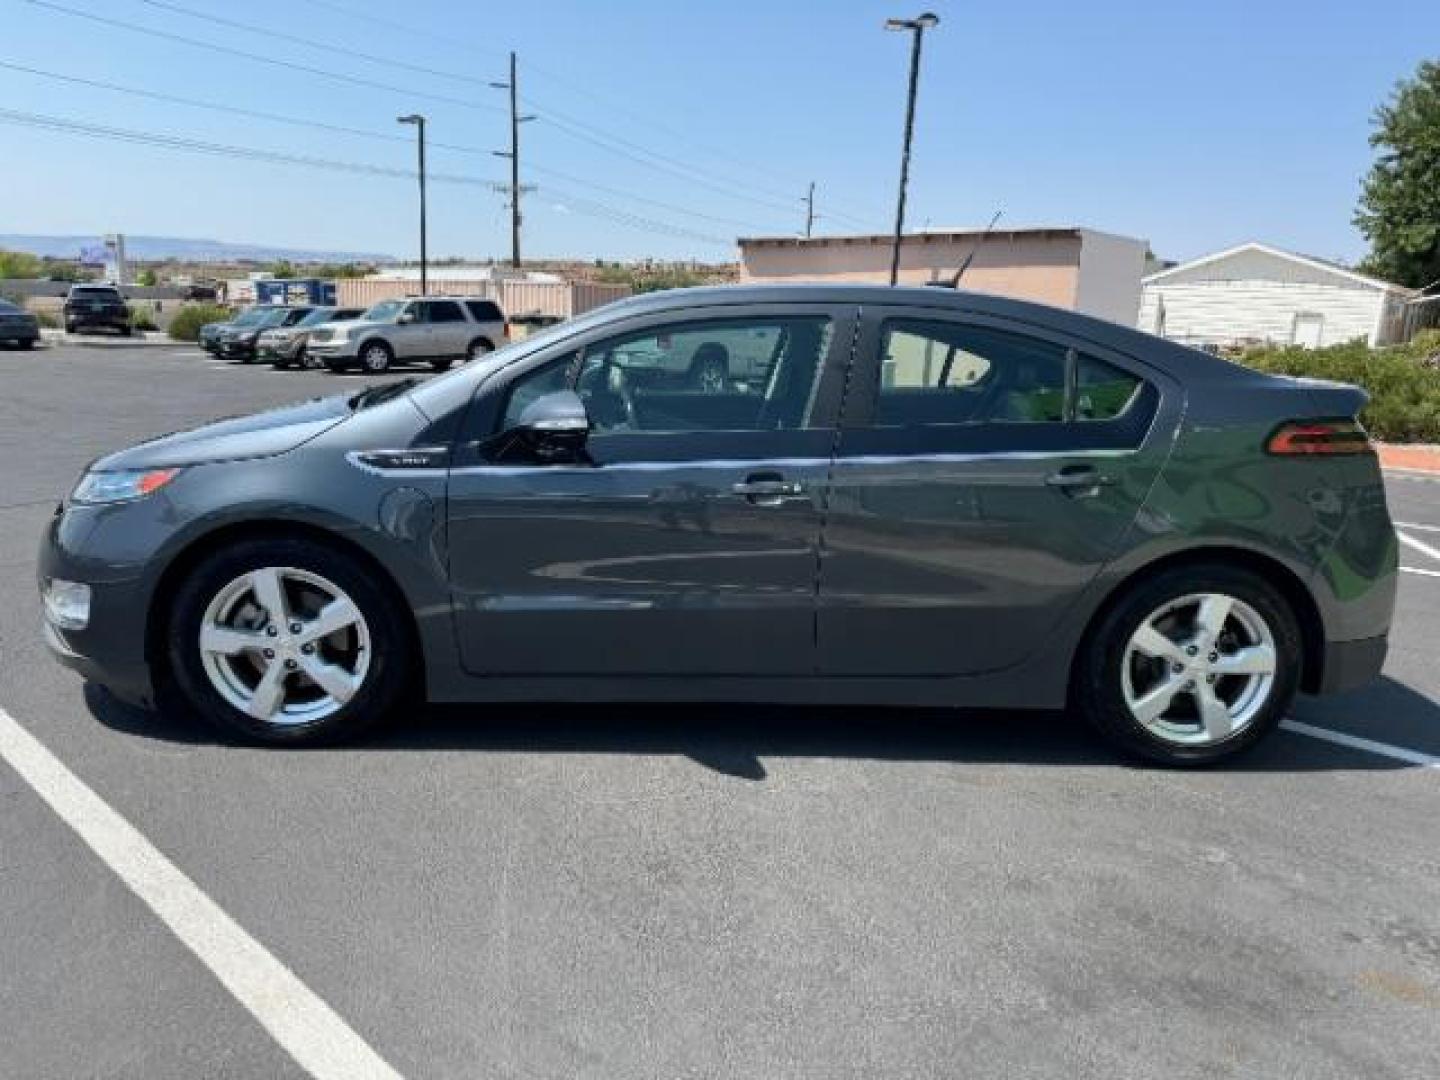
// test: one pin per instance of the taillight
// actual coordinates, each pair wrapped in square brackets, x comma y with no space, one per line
[508,335]
[1319,437]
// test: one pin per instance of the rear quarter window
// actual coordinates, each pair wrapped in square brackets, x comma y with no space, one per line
[484,311]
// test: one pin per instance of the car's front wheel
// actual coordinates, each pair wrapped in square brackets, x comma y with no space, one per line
[376,357]
[1191,666]
[287,641]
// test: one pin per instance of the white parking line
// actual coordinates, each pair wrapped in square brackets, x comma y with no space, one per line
[1355,742]
[1419,545]
[1417,570]
[1414,525]
[313,1033]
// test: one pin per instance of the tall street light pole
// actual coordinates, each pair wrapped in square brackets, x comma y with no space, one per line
[419,122]
[917,27]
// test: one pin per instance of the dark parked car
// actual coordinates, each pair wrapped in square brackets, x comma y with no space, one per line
[18,326]
[241,340]
[209,336]
[285,346]
[96,305]
[929,498]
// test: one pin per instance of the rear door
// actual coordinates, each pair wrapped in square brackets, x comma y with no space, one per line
[986,470]
[686,543]
[449,329]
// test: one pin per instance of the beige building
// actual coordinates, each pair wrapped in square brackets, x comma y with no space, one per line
[1080,269]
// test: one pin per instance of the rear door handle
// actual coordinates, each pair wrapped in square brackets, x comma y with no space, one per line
[768,490]
[1079,480]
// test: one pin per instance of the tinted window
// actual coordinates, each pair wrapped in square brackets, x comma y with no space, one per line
[1102,392]
[385,311]
[317,316]
[443,311]
[949,373]
[8,308]
[294,315]
[735,375]
[484,311]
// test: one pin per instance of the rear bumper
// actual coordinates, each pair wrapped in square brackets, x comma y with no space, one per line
[1350,664]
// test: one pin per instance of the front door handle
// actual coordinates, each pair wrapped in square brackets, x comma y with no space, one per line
[1080,481]
[768,489]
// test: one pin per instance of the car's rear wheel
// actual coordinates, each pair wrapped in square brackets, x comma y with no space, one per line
[1192,666]
[287,641]
[376,357]
[478,350]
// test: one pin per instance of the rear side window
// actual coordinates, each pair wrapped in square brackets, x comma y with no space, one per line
[935,372]
[949,373]
[444,311]
[484,311]
[1102,391]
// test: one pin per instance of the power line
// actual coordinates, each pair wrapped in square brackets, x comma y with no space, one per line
[568,124]
[201,146]
[579,204]
[295,39]
[588,91]
[353,80]
[384,136]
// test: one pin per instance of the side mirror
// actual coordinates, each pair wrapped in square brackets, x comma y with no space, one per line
[554,427]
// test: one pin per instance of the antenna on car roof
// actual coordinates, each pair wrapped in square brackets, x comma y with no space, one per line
[954,282]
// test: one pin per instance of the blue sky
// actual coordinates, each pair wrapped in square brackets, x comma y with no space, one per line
[1196,126]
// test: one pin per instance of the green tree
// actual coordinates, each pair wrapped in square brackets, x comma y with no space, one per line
[282,268]
[145,277]
[20,264]
[1399,210]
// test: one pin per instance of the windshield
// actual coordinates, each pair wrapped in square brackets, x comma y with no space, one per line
[252,317]
[316,317]
[385,311]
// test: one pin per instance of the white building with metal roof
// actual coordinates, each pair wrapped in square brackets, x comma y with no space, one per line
[1255,293]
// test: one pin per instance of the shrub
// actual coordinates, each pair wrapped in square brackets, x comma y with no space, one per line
[48,319]
[1404,390]
[188,320]
[140,318]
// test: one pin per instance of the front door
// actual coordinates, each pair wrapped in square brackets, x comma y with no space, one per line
[687,541]
[410,336]
[986,470]
[449,329]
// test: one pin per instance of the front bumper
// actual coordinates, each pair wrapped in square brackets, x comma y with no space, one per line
[111,649]
[233,350]
[1351,664]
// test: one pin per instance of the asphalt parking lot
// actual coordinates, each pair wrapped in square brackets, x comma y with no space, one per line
[614,891]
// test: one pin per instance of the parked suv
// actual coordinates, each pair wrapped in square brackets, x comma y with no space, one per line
[286,345]
[96,305]
[439,329]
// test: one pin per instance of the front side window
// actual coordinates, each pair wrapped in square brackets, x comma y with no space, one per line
[731,375]
[533,385]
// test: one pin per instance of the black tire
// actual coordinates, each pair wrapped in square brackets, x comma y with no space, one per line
[70,328]
[442,363]
[27,343]
[308,362]
[1097,689]
[386,681]
[478,348]
[375,357]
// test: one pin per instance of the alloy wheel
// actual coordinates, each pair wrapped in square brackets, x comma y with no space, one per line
[375,358]
[285,646]
[1199,669]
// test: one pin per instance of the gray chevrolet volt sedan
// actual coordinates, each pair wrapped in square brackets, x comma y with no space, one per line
[917,496]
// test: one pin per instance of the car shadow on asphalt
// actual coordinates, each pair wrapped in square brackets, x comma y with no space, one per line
[735,740]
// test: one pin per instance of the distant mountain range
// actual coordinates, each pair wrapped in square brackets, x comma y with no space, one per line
[149,248]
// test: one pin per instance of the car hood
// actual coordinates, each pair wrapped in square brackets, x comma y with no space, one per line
[349,326]
[264,434]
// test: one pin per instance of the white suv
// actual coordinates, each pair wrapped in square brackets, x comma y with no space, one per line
[438,329]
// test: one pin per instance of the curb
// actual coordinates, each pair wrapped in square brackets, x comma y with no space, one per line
[1425,459]
[138,341]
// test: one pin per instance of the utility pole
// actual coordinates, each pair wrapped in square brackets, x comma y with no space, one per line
[810,210]
[917,27]
[514,155]
[419,122]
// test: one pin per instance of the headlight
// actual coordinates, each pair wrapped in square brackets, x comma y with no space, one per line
[110,487]
[67,604]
